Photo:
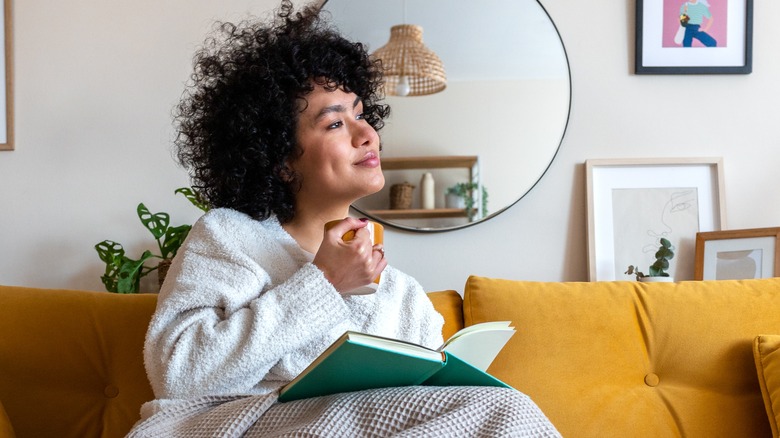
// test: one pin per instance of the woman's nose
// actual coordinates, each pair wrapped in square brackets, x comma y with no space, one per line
[363,134]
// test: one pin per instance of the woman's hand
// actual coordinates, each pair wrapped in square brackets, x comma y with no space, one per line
[352,263]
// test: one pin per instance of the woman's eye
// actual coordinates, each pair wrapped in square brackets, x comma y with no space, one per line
[335,125]
[360,116]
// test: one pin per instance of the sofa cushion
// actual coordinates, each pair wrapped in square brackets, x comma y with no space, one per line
[766,352]
[71,362]
[6,431]
[634,359]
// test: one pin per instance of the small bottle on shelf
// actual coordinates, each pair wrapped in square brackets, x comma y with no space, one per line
[427,192]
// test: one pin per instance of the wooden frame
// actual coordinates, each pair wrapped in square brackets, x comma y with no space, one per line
[659,48]
[632,203]
[6,82]
[738,254]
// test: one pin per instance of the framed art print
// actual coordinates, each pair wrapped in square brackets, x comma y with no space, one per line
[633,203]
[738,254]
[694,36]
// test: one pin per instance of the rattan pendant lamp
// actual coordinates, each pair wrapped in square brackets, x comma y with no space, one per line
[410,68]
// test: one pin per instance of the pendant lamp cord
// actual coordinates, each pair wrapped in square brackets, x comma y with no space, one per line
[403,48]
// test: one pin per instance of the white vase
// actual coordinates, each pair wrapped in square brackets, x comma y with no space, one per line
[656,279]
[427,193]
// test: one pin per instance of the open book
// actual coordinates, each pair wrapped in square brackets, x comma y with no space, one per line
[358,361]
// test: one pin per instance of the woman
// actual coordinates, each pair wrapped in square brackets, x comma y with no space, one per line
[279,131]
[696,11]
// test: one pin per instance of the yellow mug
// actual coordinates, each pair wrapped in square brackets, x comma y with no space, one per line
[377,233]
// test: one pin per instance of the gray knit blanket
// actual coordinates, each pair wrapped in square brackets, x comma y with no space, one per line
[416,411]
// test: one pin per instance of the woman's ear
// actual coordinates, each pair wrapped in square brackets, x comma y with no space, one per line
[286,173]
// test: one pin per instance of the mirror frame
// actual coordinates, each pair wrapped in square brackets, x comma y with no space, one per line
[321,3]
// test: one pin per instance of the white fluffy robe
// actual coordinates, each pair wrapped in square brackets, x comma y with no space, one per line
[244,311]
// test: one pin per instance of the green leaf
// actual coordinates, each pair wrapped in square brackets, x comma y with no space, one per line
[660,265]
[109,282]
[664,253]
[112,254]
[193,197]
[130,273]
[174,237]
[156,223]
[109,251]
[484,202]
[632,270]
[109,278]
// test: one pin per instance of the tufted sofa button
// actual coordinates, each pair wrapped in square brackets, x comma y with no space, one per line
[111,391]
[652,379]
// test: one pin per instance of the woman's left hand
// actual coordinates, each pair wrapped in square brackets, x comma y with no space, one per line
[351,263]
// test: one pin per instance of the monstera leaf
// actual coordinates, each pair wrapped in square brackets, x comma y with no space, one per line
[174,237]
[130,273]
[109,251]
[156,223]
[193,198]
[123,274]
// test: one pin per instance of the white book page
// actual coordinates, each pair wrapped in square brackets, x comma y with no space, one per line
[396,345]
[480,346]
[491,325]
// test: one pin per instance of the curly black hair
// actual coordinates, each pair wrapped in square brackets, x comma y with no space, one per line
[237,119]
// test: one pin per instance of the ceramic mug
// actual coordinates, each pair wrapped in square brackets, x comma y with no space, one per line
[377,236]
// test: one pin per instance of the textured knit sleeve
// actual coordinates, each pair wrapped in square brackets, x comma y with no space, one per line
[223,321]
[400,309]
[428,322]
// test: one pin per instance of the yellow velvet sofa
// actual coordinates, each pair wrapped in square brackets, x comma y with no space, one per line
[607,359]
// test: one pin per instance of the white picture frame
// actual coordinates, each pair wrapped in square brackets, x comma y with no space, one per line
[634,202]
[738,254]
[6,79]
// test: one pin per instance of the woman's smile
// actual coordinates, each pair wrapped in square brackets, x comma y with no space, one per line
[371,159]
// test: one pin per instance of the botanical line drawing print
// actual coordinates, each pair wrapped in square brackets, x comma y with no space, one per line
[642,216]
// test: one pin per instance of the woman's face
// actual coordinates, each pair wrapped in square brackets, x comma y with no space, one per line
[339,161]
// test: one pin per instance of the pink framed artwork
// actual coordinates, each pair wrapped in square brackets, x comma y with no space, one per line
[694,36]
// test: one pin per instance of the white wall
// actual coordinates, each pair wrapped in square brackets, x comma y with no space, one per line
[96,82]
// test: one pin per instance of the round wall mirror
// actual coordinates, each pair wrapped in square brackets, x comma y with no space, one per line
[490,136]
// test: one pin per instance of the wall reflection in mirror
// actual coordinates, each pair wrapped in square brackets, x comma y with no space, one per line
[496,127]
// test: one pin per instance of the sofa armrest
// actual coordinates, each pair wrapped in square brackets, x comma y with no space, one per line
[450,305]
[6,431]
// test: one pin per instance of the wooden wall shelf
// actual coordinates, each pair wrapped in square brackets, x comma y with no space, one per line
[437,162]
[469,162]
[419,213]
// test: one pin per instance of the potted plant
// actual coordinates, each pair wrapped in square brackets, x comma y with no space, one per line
[123,274]
[658,269]
[461,195]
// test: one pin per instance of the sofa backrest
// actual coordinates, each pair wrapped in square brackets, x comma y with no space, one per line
[71,362]
[634,359]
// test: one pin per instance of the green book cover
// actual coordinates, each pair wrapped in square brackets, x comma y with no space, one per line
[357,361]
[460,373]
